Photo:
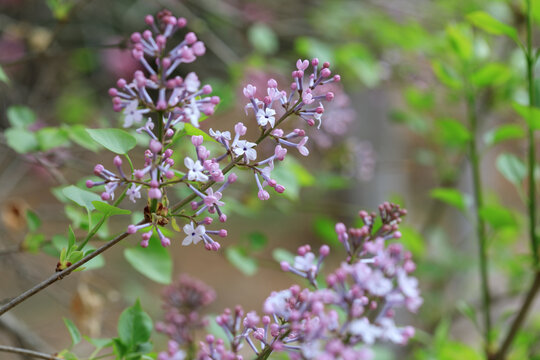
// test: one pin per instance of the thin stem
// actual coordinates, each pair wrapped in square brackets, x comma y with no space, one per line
[234,162]
[60,275]
[520,318]
[531,145]
[35,354]
[480,224]
[96,228]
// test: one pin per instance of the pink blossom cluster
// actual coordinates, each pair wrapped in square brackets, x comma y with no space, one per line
[340,320]
[165,105]
[183,301]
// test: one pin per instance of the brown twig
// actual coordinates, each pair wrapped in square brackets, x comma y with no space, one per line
[36,354]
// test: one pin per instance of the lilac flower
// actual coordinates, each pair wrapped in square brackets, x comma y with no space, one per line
[220,135]
[192,83]
[363,328]
[133,114]
[245,148]
[173,352]
[195,170]
[266,117]
[134,192]
[194,234]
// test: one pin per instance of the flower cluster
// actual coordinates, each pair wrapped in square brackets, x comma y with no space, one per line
[183,301]
[167,107]
[354,309]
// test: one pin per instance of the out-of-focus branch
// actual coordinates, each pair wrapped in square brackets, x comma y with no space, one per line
[35,354]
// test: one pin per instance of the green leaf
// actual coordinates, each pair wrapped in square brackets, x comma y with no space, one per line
[99,343]
[20,116]
[530,114]
[109,210]
[51,137]
[446,75]
[134,326]
[154,262]
[238,257]
[412,240]
[115,140]
[263,38]
[32,242]
[191,130]
[498,216]
[32,220]
[452,132]
[511,167]
[257,241]
[469,312]
[75,256]
[419,99]
[491,25]
[21,140]
[491,74]
[82,197]
[78,134]
[3,76]
[460,40]
[324,227]
[95,263]
[73,331]
[503,133]
[450,196]
[280,254]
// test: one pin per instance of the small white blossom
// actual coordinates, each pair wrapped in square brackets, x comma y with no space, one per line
[364,329]
[218,134]
[132,114]
[134,192]
[243,147]
[194,234]
[192,83]
[266,117]
[195,172]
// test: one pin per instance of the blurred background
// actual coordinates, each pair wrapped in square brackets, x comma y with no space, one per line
[396,131]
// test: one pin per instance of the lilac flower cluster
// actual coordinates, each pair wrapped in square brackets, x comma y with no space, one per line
[355,308]
[183,302]
[166,106]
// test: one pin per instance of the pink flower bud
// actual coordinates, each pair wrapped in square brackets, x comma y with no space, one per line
[232,178]
[324,250]
[181,22]
[285,266]
[280,188]
[191,38]
[222,218]
[207,89]
[131,229]
[98,169]
[197,140]
[263,195]
[89,184]
[272,83]
[165,242]
[117,161]
[154,193]
[223,233]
